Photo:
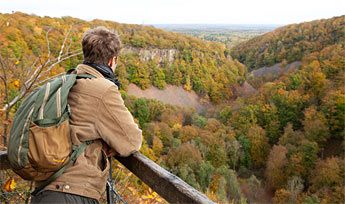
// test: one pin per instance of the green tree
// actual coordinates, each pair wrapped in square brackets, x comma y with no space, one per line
[199,120]
[333,106]
[159,78]
[315,126]
[186,173]
[268,119]
[142,111]
[177,157]
[205,174]
[232,185]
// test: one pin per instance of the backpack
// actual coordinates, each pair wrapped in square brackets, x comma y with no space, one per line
[40,145]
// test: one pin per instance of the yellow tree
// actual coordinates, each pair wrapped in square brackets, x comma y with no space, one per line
[276,163]
[18,79]
[327,180]
[259,146]
[315,126]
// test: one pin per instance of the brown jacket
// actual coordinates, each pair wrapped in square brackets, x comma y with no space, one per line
[97,112]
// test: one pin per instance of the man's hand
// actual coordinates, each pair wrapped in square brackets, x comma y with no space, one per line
[108,151]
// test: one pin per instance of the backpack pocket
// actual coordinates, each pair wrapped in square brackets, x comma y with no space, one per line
[49,147]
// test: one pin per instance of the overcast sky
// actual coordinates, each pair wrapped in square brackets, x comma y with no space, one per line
[183,11]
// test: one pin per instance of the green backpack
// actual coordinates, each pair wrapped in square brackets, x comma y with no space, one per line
[40,146]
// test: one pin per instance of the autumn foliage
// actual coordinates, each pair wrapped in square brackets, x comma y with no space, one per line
[282,144]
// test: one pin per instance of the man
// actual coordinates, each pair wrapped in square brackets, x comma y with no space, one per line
[97,113]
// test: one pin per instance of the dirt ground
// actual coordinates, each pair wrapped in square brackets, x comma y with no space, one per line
[174,95]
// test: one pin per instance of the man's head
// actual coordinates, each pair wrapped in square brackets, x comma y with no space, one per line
[100,46]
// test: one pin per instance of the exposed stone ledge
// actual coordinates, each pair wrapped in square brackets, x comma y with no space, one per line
[151,53]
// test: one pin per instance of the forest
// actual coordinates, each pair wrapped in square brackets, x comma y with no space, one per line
[282,144]
[290,43]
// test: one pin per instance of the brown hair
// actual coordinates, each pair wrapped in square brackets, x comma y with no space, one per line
[100,45]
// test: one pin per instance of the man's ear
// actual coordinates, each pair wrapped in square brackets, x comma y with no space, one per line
[110,63]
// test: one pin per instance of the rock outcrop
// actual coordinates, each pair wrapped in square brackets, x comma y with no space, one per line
[151,53]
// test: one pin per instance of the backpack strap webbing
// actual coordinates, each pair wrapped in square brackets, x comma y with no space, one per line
[77,150]
[70,71]
[80,76]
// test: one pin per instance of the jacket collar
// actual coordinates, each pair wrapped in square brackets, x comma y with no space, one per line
[85,69]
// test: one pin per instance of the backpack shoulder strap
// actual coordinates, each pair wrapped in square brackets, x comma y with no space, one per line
[70,71]
[80,76]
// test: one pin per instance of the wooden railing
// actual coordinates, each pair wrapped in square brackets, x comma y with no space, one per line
[167,185]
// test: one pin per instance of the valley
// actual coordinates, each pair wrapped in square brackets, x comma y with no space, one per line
[256,109]
[229,35]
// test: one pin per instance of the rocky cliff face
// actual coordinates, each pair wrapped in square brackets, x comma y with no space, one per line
[151,53]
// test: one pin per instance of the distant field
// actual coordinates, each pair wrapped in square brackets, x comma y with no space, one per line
[230,35]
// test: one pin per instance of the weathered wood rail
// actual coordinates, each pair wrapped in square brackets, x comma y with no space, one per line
[167,185]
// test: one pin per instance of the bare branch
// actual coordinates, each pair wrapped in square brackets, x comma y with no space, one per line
[63,44]
[4,77]
[48,79]
[32,66]
[7,110]
[15,100]
[74,51]
[27,85]
[38,70]
[30,83]
[67,54]
[69,45]
[48,46]
[56,63]
[5,65]
[2,66]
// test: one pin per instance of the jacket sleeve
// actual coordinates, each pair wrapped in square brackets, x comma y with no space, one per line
[116,125]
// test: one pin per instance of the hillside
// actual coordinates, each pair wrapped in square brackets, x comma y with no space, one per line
[290,43]
[295,123]
[150,56]
[282,142]
[150,59]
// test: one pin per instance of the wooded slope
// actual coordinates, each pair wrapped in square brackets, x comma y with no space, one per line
[290,43]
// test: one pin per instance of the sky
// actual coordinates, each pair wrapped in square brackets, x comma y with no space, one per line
[147,12]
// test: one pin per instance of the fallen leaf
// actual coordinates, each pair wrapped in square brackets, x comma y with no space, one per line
[6,122]
[10,185]
[16,83]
